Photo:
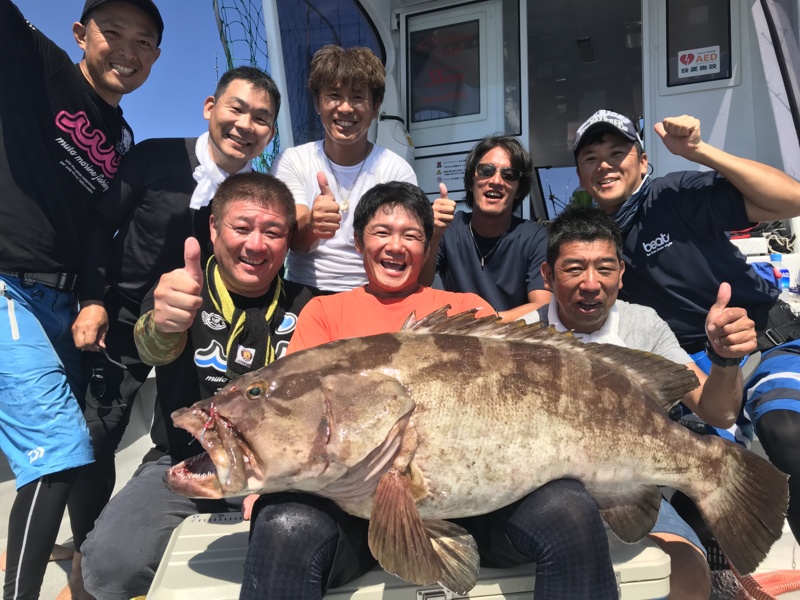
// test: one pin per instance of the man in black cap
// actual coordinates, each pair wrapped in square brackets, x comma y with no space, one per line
[62,138]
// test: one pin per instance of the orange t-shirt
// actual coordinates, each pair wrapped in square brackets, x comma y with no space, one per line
[357,313]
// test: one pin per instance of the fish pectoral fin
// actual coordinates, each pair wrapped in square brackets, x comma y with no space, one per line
[458,554]
[420,552]
[631,515]
[397,536]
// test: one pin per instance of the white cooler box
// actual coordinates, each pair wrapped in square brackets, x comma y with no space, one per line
[204,558]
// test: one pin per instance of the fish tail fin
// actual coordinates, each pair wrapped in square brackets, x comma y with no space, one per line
[747,509]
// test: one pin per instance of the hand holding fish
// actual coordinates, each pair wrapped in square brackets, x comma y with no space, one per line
[177,295]
[731,332]
[325,214]
[443,210]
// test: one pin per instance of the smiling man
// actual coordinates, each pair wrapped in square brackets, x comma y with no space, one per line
[160,197]
[676,247]
[393,231]
[203,325]
[558,526]
[490,251]
[62,138]
[327,177]
[584,270]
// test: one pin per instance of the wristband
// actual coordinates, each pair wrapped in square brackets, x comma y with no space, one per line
[719,360]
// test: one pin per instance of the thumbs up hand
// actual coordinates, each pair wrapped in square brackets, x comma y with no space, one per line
[731,332]
[325,214]
[177,295]
[443,210]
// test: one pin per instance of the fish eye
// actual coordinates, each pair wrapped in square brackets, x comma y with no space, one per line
[254,391]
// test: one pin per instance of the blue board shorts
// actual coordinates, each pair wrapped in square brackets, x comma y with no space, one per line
[775,383]
[42,428]
[669,521]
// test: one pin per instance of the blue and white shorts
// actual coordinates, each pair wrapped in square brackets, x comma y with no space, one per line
[42,428]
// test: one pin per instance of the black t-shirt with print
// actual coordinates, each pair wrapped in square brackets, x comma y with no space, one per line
[60,146]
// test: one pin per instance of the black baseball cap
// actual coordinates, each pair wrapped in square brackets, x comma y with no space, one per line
[147,6]
[606,120]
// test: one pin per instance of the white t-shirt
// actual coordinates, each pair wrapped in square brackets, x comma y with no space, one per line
[334,265]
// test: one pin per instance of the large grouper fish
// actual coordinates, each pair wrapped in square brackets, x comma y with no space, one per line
[458,416]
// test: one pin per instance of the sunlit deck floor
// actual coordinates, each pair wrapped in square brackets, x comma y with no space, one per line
[785,553]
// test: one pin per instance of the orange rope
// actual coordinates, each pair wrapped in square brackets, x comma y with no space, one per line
[766,586]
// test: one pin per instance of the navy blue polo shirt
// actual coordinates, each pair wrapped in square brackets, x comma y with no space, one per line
[677,252]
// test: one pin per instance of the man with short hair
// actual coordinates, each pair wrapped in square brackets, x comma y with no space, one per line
[558,526]
[676,246]
[202,326]
[160,197]
[327,177]
[62,139]
[490,251]
[584,270]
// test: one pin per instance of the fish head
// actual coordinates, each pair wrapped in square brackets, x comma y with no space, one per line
[273,430]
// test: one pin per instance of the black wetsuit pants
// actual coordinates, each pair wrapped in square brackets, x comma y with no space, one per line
[558,526]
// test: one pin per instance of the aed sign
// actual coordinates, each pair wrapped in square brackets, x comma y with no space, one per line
[698,62]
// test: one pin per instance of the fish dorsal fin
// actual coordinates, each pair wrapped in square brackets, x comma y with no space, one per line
[667,381]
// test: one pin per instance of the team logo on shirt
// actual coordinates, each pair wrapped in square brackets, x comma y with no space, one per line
[288,324]
[213,321]
[657,245]
[92,141]
[212,356]
[245,356]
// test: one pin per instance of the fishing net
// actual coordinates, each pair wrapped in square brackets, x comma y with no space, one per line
[305,26]
[241,31]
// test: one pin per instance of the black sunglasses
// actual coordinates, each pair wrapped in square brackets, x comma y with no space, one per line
[507,173]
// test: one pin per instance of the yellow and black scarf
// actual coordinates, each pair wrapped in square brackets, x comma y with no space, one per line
[249,344]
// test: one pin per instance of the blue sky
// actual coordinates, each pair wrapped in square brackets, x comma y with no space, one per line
[170,103]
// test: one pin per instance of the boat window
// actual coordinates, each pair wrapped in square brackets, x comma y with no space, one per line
[463,72]
[698,41]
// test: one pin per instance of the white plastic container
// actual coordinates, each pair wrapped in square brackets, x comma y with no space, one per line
[205,557]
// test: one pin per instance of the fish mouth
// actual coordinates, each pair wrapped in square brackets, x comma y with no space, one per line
[225,467]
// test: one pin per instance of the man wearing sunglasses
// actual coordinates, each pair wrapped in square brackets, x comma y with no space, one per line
[490,251]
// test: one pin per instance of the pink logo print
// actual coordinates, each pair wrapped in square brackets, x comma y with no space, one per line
[92,141]
[687,59]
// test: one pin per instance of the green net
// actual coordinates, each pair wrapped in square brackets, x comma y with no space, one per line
[241,31]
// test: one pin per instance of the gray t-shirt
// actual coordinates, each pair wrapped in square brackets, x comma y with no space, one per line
[640,328]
